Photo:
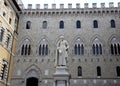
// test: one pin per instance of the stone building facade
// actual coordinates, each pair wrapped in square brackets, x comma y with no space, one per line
[8,36]
[93,36]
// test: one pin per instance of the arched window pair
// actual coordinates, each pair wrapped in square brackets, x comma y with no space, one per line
[112,24]
[98,71]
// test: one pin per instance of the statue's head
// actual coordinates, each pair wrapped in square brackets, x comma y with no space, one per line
[61,37]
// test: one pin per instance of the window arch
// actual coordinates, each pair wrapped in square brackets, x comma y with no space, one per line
[118,71]
[43,48]
[79,71]
[26,48]
[61,25]
[98,71]
[44,24]
[78,24]
[4,71]
[79,47]
[95,24]
[115,47]
[28,24]
[97,47]
[1,34]
[112,22]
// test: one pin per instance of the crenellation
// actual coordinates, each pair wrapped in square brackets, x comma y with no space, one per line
[69,5]
[53,6]
[37,6]
[102,5]
[77,5]
[86,5]
[62,6]
[29,6]
[111,5]
[69,11]
[94,5]
[45,6]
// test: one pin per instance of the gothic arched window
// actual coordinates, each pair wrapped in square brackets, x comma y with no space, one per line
[61,25]
[95,24]
[1,34]
[79,71]
[98,71]
[26,47]
[44,24]
[28,24]
[118,71]
[4,71]
[112,22]
[43,48]
[78,47]
[115,47]
[78,24]
[97,47]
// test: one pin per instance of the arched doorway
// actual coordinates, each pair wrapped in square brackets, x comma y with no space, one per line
[32,81]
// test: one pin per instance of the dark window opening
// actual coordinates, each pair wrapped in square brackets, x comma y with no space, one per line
[98,71]
[112,23]
[61,25]
[78,24]
[95,24]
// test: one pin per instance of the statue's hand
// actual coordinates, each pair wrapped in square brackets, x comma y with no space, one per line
[60,51]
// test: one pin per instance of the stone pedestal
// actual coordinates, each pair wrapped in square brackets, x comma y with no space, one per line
[61,76]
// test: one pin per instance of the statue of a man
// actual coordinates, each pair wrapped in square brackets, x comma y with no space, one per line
[62,52]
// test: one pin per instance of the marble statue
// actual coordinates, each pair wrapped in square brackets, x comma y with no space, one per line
[62,52]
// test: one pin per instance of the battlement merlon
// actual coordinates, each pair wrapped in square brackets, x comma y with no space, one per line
[61,6]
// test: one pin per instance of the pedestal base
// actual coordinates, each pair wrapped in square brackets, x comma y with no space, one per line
[61,76]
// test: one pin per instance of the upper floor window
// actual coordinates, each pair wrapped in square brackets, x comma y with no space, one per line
[61,25]
[28,24]
[78,24]
[118,71]
[95,24]
[4,71]
[115,47]
[8,41]
[26,47]
[98,71]
[1,34]
[112,22]
[97,47]
[10,20]
[79,71]
[43,48]
[5,3]
[44,24]
[4,14]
